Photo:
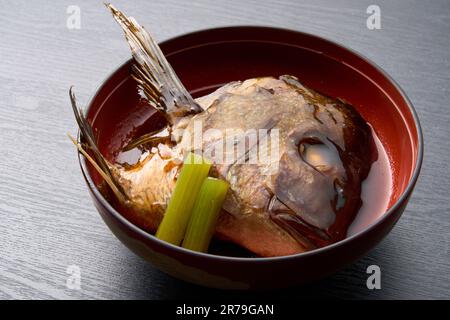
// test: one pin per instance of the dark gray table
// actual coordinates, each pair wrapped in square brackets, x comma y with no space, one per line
[47,220]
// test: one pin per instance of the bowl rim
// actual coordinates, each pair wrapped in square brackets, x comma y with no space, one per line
[408,190]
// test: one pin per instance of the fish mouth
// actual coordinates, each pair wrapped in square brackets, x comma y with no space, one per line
[308,236]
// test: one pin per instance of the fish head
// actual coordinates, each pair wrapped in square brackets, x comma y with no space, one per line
[326,156]
[311,183]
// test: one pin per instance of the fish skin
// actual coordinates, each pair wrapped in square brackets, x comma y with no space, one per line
[274,214]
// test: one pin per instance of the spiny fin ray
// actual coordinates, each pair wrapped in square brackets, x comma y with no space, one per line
[155,76]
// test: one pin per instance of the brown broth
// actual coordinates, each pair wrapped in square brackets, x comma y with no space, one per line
[376,191]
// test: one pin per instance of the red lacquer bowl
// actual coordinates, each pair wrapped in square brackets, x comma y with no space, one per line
[206,59]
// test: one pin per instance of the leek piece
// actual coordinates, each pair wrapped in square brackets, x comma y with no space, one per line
[173,225]
[204,214]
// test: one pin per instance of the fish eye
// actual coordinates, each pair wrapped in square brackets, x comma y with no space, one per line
[317,154]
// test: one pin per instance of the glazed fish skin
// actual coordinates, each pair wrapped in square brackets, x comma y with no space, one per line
[304,199]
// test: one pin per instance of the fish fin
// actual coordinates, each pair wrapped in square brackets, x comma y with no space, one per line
[152,71]
[145,139]
[88,140]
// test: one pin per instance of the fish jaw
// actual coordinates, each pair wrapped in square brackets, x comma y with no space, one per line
[257,234]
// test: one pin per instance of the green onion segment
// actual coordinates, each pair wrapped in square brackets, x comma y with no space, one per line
[176,218]
[204,214]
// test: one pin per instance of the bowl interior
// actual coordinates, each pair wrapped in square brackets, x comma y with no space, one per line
[208,59]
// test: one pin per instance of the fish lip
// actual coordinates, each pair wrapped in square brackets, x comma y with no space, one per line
[400,201]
